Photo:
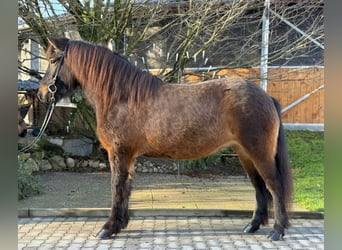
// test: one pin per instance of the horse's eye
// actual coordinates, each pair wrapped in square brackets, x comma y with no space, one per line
[53,60]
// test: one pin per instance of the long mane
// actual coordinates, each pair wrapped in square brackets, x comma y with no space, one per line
[109,75]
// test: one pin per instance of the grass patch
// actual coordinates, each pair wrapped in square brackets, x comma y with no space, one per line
[306,150]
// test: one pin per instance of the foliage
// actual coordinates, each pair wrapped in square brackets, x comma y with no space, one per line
[204,163]
[49,149]
[87,113]
[28,184]
[201,163]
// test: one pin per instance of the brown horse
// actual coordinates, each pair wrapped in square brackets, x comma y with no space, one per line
[139,114]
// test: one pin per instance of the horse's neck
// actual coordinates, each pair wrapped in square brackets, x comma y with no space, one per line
[90,97]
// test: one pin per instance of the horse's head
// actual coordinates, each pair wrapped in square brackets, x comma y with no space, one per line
[58,80]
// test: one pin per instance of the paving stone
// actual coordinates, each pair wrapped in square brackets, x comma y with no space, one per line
[165,233]
[102,247]
[74,246]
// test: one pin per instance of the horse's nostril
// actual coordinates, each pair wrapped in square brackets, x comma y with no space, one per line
[40,97]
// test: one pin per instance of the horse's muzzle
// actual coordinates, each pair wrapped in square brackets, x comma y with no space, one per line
[41,97]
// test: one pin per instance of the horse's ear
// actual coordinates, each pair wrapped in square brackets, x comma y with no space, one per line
[52,41]
[58,43]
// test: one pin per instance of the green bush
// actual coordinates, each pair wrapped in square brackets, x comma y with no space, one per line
[204,163]
[28,184]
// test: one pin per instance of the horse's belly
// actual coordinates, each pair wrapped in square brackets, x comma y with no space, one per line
[187,148]
[182,155]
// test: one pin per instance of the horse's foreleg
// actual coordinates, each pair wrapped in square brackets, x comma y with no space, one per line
[121,190]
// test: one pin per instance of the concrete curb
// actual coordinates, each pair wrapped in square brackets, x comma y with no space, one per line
[104,212]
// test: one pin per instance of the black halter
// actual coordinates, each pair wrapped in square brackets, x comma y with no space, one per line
[52,88]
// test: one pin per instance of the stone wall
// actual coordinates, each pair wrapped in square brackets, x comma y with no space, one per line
[51,156]
[35,162]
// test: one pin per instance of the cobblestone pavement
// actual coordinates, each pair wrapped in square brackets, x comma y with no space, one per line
[164,233]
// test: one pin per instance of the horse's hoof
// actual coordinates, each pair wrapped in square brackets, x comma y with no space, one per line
[250,228]
[274,235]
[104,234]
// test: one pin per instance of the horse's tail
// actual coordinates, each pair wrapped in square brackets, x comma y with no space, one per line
[282,162]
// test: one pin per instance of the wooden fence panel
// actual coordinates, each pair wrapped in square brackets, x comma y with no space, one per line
[287,85]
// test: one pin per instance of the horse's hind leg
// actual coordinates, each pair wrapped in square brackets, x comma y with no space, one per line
[273,181]
[270,187]
[263,196]
[121,168]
